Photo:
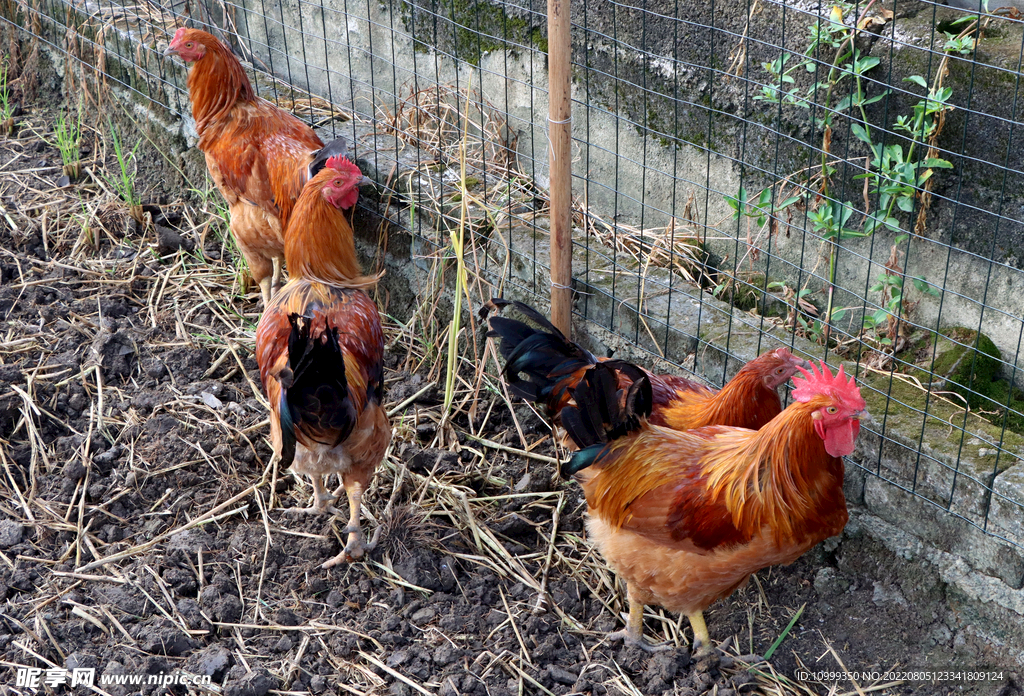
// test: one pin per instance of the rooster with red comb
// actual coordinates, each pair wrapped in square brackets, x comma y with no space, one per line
[320,348]
[685,517]
[259,155]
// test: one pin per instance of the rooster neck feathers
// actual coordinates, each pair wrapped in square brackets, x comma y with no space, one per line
[319,242]
[216,83]
[776,476]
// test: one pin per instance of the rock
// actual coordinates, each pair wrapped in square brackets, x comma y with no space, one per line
[212,401]
[561,676]
[829,583]
[424,615]
[213,661]
[885,594]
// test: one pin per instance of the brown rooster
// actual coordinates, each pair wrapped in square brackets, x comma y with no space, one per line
[320,348]
[686,517]
[554,365]
[259,156]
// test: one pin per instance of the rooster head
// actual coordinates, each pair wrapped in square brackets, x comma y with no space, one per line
[837,405]
[189,44]
[776,367]
[341,182]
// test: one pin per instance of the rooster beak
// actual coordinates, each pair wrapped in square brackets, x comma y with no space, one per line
[365,181]
[170,51]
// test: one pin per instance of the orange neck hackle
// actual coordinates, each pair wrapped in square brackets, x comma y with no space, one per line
[775,476]
[319,242]
[216,82]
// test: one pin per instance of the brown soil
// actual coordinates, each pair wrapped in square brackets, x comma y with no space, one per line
[129,409]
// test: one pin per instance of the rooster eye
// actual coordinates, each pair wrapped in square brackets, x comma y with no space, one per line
[188,44]
[832,410]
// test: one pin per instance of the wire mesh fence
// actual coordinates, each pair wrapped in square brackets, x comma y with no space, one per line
[841,177]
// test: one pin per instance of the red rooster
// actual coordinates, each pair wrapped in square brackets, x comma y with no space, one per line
[554,365]
[686,517]
[259,156]
[320,348]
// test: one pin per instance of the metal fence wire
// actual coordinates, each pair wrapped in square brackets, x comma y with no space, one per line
[842,177]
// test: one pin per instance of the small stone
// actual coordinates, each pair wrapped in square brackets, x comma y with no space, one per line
[10,533]
[424,615]
[212,661]
[828,582]
[212,401]
[562,676]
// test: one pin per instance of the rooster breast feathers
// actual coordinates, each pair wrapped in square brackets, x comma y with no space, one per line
[264,155]
[320,349]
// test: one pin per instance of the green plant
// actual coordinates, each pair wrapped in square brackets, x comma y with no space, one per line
[6,109]
[124,179]
[68,133]
[895,174]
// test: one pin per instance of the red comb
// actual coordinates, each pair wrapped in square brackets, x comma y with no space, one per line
[820,380]
[340,163]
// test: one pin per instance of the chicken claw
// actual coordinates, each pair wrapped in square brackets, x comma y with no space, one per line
[633,634]
[322,501]
[355,548]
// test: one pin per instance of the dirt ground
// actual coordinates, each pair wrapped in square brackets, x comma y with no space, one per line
[145,531]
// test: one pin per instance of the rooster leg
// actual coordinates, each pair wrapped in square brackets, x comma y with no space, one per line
[265,291]
[701,637]
[633,634]
[275,283]
[355,548]
[321,499]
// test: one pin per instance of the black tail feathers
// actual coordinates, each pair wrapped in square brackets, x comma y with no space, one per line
[314,388]
[535,360]
[598,416]
[336,148]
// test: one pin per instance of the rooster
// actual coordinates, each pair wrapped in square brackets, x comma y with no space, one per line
[320,348]
[259,156]
[554,365]
[687,517]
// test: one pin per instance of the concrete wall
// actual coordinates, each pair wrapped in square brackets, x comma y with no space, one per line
[953,502]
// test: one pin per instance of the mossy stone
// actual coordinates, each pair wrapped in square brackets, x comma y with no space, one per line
[968,362]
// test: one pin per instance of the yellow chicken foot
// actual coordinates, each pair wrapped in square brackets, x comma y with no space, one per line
[633,634]
[321,501]
[701,637]
[355,547]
